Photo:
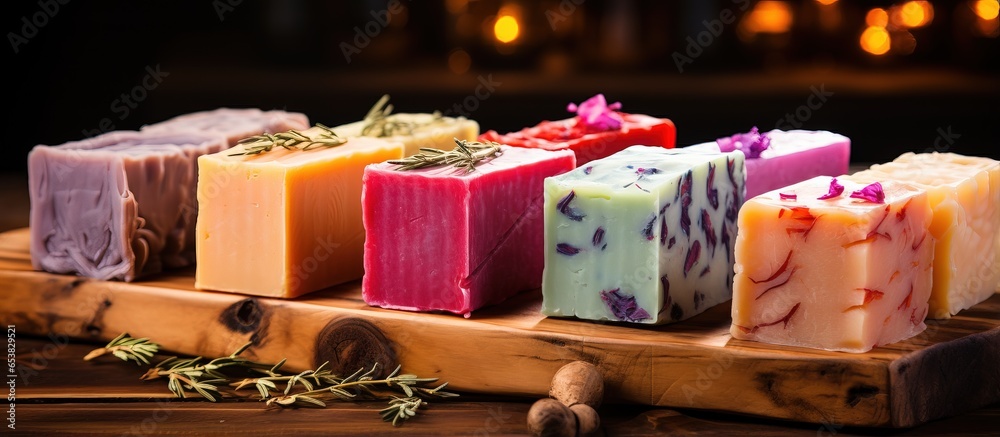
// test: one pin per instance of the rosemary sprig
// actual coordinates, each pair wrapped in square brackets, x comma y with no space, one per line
[465,155]
[127,348]
[308,388]
[380,123]
[291,139]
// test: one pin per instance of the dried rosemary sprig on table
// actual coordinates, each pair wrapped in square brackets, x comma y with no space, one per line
[127,349]
[465,155]
[291,139]
[378,123]
[308,388]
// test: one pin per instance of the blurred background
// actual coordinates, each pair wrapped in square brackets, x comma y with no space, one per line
[894,76]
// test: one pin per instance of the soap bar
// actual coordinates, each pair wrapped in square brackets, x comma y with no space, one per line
[441,238]
[965,196]
[792,157]
[644,235]
[415,131]
[234,124]
[115,206]
[285,222]
[842,273]
[599,130]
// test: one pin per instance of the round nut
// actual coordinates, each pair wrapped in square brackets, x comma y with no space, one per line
[549,418]
[578,382]
[587,420]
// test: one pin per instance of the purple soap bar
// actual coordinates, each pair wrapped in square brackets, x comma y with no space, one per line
[790,157]
[118,205]
[234,124]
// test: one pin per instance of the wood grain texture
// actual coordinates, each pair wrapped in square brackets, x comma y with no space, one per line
[511,349]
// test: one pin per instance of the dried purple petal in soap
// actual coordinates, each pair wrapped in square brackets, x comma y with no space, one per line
[699,298]
[598,236]
[732,209]
[623,306]
[671,243]
[727,242]
[835,190]
[713,193]
[676,312]
[789,196]
[694,252]
[588,169]
[647,231]
[568,211]
[706,227]
[663,230]
[872,193]
[567,249]
[686,203]
[752,143]
[731,169]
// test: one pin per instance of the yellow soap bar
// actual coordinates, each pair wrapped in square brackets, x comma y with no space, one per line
[416,131]
[285,222]
[964,192]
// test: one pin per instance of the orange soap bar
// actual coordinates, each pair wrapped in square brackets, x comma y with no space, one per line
[285,222]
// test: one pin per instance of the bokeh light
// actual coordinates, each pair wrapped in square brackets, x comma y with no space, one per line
[875,40]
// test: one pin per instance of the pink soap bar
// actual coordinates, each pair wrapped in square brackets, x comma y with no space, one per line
[793,157]
[234,124]
[441,238]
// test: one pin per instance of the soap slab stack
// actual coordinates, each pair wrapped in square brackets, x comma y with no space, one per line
[645,235]
[234,124]
[845,269]
[116,206]
[964,193]
[442,238]
[790,157]
[284,222]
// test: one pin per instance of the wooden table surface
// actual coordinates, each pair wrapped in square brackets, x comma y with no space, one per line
[57,393]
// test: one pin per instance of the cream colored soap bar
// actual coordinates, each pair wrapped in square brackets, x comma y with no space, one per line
[840,273]
[965,195]
[285,222]
[416,131]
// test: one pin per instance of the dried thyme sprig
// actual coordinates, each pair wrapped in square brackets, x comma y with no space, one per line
[291,139]
[465,155]
[127,348]
[308,388]
[379,122]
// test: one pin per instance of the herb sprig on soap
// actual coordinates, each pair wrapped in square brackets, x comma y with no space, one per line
[289,140]
[466,154]
[380,123]
[208,378]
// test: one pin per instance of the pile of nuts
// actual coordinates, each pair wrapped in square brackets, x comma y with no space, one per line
[571,408]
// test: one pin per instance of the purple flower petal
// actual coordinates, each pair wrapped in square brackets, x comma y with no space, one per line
[596,113]
[572,213]
[835,190]
[752,143]
[567,249]
[790,196]
[623,306]
[872,193]
[598,236]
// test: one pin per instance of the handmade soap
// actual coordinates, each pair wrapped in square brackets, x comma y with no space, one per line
[284,222]
[833,264]
[965,196]
[776,159]
[415,131]
[234,124]
[644,235]
[116,206]
[442,238]
[598,130]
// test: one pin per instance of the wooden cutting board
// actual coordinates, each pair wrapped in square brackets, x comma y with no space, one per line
[511,349]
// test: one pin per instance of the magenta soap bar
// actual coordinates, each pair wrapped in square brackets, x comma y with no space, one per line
[234,124]
[441,238]
[790,158]
[118,205]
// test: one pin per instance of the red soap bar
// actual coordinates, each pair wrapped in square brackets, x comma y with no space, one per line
[587,142]
[440,238]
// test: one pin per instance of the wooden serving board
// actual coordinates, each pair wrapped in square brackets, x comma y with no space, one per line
[511,349]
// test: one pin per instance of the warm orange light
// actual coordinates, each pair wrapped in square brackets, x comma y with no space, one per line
[913,14]
[826,2]
[877,17]
[459,61]
[875,40]
[769,16]
[987,9]
[988,28]
[506,29]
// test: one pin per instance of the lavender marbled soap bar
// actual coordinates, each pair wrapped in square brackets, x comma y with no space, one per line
[234,124]
[118,205]
[643,236]
[791,157]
